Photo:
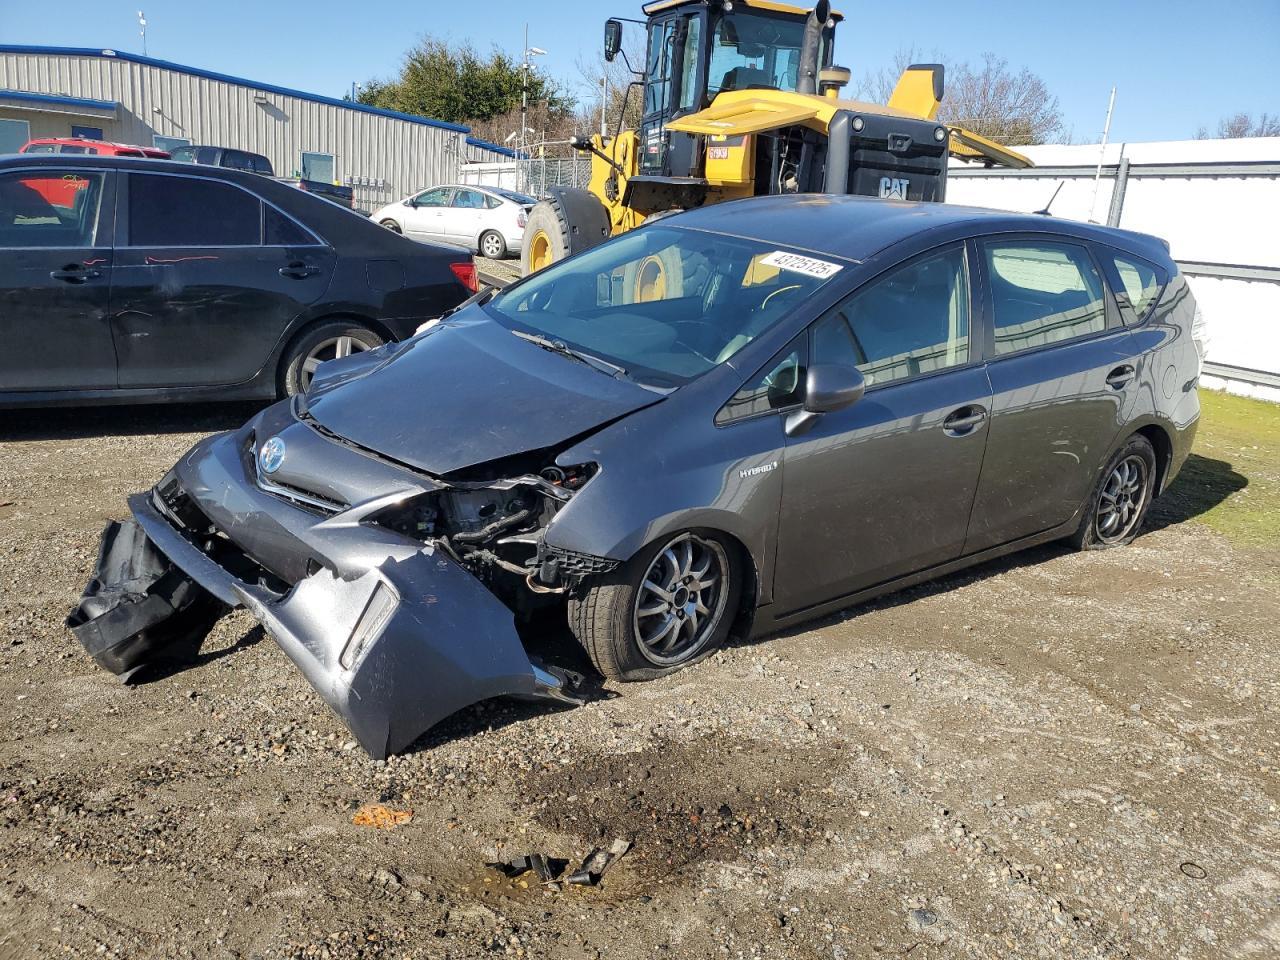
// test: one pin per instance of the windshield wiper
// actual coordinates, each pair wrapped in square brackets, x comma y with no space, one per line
[562,348]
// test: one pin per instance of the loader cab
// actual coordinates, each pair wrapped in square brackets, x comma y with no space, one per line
[697,50]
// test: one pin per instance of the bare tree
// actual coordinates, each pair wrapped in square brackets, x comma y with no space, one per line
[992,99]
[1243,125]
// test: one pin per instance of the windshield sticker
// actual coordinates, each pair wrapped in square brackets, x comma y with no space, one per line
[798,264]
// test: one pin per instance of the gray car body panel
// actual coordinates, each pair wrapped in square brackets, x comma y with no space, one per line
[872,498]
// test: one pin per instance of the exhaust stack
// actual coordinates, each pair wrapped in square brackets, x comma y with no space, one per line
[810,47]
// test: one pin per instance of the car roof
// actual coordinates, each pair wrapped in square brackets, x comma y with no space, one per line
[856,228]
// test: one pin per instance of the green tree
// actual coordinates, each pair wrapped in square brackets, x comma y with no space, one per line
[457,85]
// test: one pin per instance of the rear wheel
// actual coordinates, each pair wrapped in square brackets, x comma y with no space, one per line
[669,606]
[492,245]
[325,341]
[392,226]
[1120,500]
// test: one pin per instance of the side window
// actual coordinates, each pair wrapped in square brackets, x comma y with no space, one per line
[468,199]
[237,160]
[49,209]
[493,203]
[689,63]
[1042,292]
[279,231]
[914,320]
[439,197]
[775,387]
[261,165]
[1141,284]
[189,212]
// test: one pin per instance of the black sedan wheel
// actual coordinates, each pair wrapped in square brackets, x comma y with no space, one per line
[1120,500]
[667,607]
[328,341]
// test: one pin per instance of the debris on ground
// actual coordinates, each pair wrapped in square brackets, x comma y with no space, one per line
[380,817]
[598,861]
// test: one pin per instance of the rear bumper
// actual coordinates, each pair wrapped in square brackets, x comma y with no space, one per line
[393,634]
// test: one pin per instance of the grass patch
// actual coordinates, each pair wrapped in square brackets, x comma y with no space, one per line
[1231,482]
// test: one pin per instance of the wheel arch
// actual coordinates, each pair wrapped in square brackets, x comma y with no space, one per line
[305,325]
[1162,443]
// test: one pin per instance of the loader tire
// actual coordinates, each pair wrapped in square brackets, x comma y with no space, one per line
[565,222]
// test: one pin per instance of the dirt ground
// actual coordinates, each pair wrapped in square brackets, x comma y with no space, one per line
[1057,755]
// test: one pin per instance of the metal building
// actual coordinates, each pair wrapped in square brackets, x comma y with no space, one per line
[108,95]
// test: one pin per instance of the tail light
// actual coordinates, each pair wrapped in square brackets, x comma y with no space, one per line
[522,219]
[465,271]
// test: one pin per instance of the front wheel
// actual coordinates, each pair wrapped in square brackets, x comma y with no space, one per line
[1120,499]
[325,341]
[669,606]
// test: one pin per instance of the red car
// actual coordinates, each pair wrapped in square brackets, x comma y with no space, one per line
[62,193]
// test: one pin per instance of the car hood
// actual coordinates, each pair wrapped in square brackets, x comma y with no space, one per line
[463,393]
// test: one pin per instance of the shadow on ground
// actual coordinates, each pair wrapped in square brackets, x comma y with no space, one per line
[1201,485]
[70,423]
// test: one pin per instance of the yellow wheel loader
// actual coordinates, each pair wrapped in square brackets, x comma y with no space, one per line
[739,99]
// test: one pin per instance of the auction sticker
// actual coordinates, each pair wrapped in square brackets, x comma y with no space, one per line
[798,264]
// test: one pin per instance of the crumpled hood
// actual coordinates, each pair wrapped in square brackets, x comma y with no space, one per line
[464,393]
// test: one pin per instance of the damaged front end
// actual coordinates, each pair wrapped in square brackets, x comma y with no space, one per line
[396,593]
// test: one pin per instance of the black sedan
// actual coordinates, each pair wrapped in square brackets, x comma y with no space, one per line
[135,281]
[732,419]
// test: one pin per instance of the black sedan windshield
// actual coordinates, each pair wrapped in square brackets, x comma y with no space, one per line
[665,303]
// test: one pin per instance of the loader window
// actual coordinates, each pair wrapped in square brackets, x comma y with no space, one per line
[755,50]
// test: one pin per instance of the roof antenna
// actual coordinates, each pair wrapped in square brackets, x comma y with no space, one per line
[1045,211]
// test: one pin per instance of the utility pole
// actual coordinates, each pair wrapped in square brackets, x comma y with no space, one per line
[1102,153]
[142,30]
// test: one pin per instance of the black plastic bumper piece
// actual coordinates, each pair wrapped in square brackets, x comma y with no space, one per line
[139,608]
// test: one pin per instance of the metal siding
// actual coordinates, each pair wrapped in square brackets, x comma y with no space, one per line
[407,156]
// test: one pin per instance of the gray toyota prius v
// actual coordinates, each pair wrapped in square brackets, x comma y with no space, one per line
[725,422]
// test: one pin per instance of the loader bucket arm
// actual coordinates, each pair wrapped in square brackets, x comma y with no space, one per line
[968,145]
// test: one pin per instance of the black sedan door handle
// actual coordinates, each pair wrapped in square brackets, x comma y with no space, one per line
[75,273]
[1119,378]
[298,270]
[964,421]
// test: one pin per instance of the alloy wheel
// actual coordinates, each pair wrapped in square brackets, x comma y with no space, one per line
[332,349]
[681,599]
[1121,499]
[491,246]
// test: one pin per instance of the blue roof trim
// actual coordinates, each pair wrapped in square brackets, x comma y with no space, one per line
[496,148]
[80,102]
[226,78]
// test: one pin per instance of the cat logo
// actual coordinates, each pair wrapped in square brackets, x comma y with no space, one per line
[894,188]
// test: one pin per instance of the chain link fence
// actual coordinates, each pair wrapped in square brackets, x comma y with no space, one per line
[533,175]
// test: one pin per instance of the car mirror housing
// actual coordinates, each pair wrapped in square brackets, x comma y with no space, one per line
[828,387]
[612,39]
[411,202]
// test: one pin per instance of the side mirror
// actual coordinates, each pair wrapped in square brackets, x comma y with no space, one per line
[828,387]
[579,143]
[411,202]
[612,38]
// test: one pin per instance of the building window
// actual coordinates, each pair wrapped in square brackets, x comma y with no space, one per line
[169,144]
[318,166]
[87,133]
[13,135]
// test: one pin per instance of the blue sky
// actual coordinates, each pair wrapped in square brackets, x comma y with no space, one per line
[1178,64]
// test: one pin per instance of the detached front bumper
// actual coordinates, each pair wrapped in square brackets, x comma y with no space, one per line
[393,634]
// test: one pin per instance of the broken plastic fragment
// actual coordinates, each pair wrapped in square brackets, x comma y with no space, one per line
[598,861]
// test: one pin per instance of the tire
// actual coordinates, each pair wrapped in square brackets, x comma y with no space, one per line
[608,616]
[546,237]
[391,225]
[492,245]
[1120,499]
[326,340]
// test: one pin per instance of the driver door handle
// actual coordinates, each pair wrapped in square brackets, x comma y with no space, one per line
[74,273]
[964,421]
[1119,378]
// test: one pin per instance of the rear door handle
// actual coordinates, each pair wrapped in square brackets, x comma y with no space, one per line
[299,271]
[1119,378]
[74,273]
[964,421]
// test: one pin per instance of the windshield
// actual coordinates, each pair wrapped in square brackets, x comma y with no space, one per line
[753,50]
[663,302]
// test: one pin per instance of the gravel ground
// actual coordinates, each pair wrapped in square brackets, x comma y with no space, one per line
[1057,755]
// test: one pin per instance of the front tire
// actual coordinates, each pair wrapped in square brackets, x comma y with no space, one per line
[1120,499]
[325,341]
[667,607]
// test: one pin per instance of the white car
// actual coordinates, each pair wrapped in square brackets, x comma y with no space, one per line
[488,220]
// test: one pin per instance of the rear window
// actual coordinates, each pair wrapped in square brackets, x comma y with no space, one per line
[520,198]
[280,231]
[1140,282]
[189,212]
